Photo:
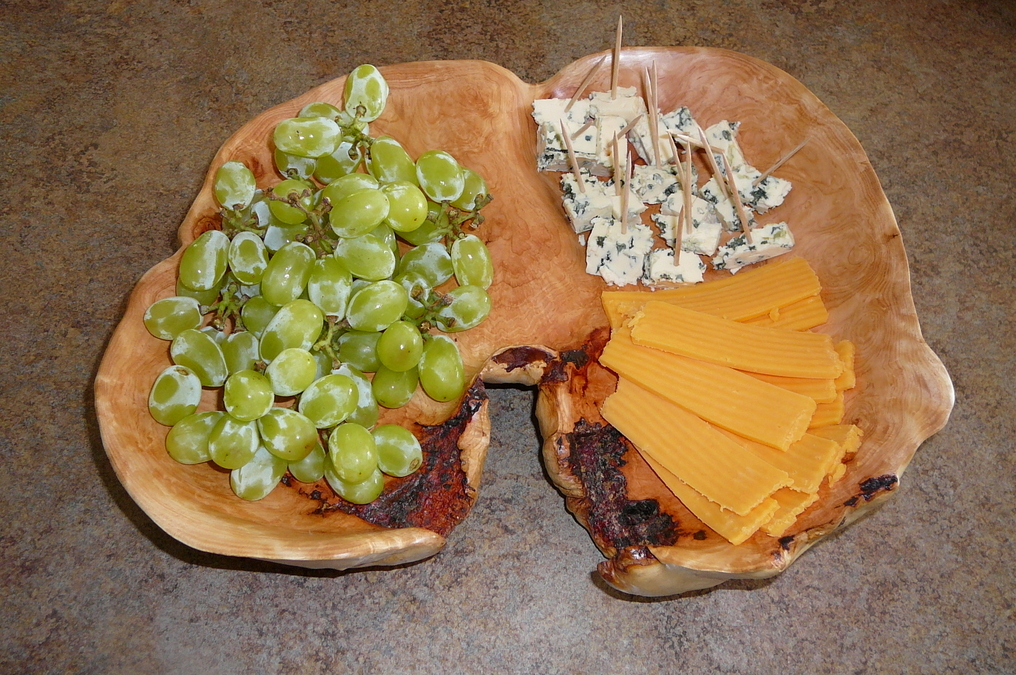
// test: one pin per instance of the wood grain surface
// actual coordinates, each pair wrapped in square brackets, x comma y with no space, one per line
[479,112]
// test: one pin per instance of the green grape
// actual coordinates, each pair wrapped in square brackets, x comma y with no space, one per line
[442,374]
[398,450]
[365,93]
[376,306]
[366,412]
[296,324]
[473,188]
[187,441]
[247,395]
[258,477]
[323,361]
[407,206]
[352,452]
[467,307]
[394,389]
[307,136]
[439,175]
[287,434]
[166,318]
[359,349]
[387,235]
[204,298]
[358,493]
[199,353]
[256,314]
[329,286]
[359,212]
[366,257]
[287,273]
[431,263]
[418,292]
[344,186]
[329,400]
[389,162]
[175,394]
[434,228]
[278,235]
[400,346]
[291,371]
[240,350]
[319,109]
[311,468]
[342,162]
[234,185]
[471,262]
[287,213]
[203,263]
[232,443]
[294,166]
[247,257]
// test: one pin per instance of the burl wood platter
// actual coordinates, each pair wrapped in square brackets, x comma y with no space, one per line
[546,329]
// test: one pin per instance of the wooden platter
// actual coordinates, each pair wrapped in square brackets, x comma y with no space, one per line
[546,324]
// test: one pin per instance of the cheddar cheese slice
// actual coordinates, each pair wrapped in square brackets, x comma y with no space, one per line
[726,397]
[719,468]
[792,504]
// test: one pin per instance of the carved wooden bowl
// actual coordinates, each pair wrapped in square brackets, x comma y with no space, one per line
[546,328]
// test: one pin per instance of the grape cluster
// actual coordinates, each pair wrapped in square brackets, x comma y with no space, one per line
[311,285]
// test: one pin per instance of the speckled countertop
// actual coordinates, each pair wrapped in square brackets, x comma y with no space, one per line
[109,114]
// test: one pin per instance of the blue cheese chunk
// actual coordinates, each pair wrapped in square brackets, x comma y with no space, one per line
[552,111]
[653,184]
[680,121]
[552,153]
[619,258]
[641,136]
[703,239]
[767,242]
[768,194]
[607,126]
[661,269]
[725,209]
[628,104]
[723,136]
[597,201]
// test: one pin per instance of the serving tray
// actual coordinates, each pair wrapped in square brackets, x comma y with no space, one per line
[546,328]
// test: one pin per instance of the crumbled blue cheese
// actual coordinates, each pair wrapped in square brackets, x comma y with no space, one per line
[654,183]
[767,242]
[628,104]
[597,201]
[703,239]
[662,270]
[618,258]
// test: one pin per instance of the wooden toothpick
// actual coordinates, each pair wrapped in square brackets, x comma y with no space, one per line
[631,125]
[617,164]
[624,194]
[655,81]
[585,82]
[712,161]
[616,63]
[778,163]
[581,130]
[654,119]
[572,159]
[736,198]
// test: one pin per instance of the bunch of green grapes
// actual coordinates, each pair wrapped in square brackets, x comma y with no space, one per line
[306,291]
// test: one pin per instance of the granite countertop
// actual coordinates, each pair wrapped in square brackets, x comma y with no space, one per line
[109,115]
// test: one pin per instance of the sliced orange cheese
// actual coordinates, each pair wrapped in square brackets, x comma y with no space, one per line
[757,349]
[847,379]
[726,397]
[801,315]
[732,527]
[746,295]
[791,504]
[822,390]
[712,464]
[847,435]
[807,462]
[828,413]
